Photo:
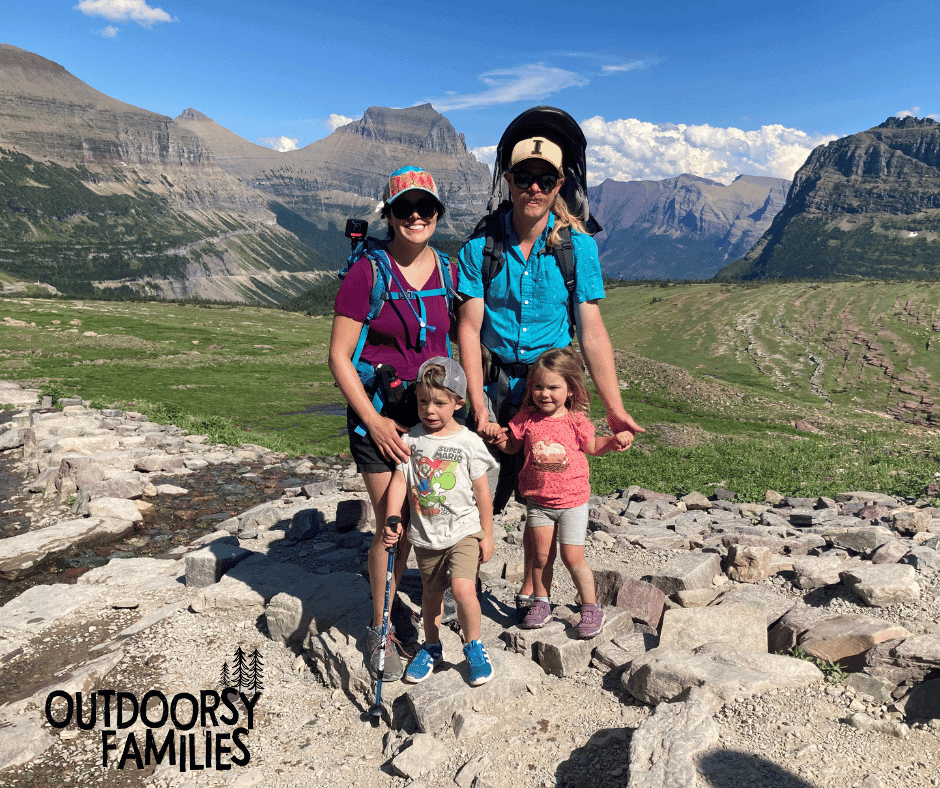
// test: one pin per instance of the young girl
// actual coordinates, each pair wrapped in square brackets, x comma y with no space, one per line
[553,429]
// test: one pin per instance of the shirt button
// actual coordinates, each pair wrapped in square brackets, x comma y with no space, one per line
[524,330]
[526,301]
[525,273]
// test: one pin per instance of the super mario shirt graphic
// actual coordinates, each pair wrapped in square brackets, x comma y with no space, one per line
[434,476]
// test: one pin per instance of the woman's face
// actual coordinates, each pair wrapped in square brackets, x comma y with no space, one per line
[416,227]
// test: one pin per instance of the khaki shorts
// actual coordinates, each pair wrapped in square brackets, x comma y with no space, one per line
[438,567]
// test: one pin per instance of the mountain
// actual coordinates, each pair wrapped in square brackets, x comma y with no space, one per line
[98,194]
[681,228]
[343,175]
[866,206]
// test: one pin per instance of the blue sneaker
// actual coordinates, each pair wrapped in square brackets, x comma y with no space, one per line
[478,663]
[424,662]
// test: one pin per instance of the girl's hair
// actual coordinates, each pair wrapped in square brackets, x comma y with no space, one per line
[387,212]
[566,362]
[563,218]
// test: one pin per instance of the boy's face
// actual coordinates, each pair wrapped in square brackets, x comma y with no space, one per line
[436,407]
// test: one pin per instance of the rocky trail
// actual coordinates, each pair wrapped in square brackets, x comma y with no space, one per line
[145,566]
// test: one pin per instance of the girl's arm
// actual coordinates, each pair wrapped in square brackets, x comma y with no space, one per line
[481,490]
[602,444]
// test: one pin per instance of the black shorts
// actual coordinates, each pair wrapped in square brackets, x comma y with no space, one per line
[363,449]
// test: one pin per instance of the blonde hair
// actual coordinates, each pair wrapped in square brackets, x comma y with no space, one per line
[563,218]
[567,363]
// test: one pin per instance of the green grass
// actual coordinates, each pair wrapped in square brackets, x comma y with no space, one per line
[253,375]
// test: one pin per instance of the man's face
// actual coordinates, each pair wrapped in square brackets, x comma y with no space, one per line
[532,202]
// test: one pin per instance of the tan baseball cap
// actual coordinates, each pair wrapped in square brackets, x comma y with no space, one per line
[537,148]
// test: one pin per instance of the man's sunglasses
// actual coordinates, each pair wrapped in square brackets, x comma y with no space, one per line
[524,180]
[426,207]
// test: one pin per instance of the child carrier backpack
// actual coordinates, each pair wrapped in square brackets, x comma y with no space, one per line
[382,380]
[558,126]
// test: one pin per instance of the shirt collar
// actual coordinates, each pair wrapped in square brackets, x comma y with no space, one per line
[510,232]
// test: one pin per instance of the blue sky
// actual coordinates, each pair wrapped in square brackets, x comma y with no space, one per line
[714,89]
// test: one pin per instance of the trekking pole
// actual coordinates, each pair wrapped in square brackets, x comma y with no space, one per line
[377,709]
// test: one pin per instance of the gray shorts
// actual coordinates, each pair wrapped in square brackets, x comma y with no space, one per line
[572,523]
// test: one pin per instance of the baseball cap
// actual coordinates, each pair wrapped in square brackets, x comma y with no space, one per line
[537,148]
[407,178]
[454,379]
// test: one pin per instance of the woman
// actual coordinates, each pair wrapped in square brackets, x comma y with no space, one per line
[396,338]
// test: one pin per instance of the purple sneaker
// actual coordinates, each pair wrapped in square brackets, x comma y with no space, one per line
[592,621]
[540,613]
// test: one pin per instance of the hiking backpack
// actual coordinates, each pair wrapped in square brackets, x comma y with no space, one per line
[558,126]
[382,277]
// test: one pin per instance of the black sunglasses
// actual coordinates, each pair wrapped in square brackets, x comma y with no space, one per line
[426,207]
[524,180]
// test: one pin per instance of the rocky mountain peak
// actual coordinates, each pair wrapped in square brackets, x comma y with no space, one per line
[864,205]
[421,127]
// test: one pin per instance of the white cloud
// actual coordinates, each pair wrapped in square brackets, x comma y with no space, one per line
[110,31]
[529,82]
[620,68]
[914,112]
[282,144]
[336,121]
[124,11]
[629,150]
[486,154]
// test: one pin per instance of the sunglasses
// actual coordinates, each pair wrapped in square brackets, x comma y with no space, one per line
[524,180]
[426,207]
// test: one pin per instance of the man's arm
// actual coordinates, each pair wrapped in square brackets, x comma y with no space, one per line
[470,322]
[599,356]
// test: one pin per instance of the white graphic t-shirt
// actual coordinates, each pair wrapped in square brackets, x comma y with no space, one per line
[440,474]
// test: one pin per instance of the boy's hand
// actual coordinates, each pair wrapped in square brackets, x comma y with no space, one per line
[493,433]
[624,440]
[391,534]
[486,548]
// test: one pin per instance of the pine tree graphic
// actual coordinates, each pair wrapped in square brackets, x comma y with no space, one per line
[224,680]
[240,670]
[256,672]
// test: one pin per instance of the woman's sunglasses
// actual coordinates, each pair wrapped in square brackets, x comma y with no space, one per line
[524,180]
[426,207]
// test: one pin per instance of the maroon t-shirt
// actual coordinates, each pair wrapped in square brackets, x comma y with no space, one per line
[393,334]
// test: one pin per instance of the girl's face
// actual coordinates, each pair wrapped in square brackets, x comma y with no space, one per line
[550,393]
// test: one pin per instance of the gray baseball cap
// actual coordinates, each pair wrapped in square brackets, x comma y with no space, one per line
[454,379]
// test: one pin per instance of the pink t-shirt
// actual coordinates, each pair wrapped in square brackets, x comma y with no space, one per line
[555,473]
[393,335]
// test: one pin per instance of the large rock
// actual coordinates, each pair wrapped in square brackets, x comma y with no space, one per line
[292,616]
[662,676]
[687,572]
[880,585]
[743,625]
[564,653]
[23,554]
[845,639]
[748,564]
[909,660]
[434,702]
[254,582]
[665,746]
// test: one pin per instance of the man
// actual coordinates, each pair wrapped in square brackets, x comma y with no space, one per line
[524,311]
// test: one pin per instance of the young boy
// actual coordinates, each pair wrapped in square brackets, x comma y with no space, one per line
[451,514]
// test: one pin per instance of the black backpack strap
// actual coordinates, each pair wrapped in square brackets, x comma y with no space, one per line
[564,255]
